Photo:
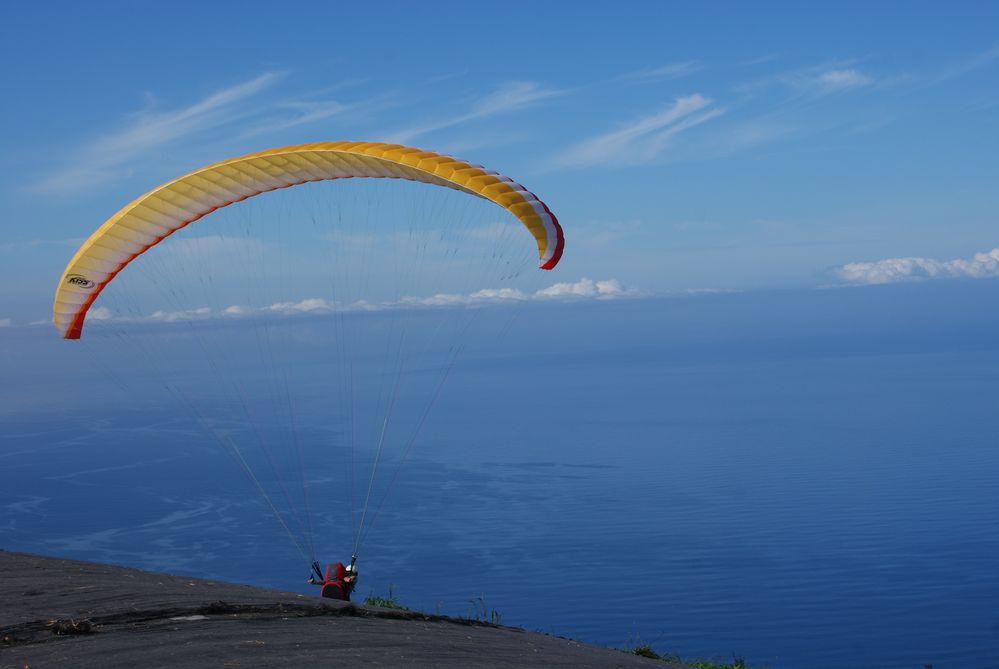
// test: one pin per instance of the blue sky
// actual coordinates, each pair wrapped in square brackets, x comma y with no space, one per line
[745,161]
[722,146]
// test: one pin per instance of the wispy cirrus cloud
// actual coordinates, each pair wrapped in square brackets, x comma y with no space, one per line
[664,72]
[812,81]
[104,158]
[840,80]
[894,270]
[300,112]
[838,77]
[759,60]
[959,68]
[643,140]
[821,80]
[316,107]
[510,97]
[748,135]
[5,322]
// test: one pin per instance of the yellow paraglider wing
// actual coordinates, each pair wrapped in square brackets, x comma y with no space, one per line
[164,210]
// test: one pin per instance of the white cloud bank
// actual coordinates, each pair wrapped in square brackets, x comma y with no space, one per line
[4,322]
[584,289]
[892,270]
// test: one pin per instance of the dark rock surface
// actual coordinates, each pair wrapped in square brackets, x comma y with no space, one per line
[64,613]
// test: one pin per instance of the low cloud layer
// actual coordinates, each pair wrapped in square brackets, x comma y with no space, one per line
[584,289]
[893,270]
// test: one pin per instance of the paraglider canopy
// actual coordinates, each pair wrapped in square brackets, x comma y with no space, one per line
[162,211]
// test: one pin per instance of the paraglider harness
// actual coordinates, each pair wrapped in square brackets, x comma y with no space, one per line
[338,582]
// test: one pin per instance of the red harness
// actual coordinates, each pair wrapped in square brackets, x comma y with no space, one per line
[335,585]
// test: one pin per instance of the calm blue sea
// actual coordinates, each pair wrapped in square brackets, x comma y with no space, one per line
[804,479]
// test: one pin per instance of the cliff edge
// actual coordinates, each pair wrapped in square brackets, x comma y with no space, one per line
[66,613]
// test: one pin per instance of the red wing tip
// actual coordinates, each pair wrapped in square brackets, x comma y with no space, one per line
[559,248]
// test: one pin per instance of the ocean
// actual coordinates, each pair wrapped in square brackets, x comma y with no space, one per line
[805,479]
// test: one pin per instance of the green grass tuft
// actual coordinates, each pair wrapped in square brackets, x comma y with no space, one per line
[389,602]
[479,611]
[645,651]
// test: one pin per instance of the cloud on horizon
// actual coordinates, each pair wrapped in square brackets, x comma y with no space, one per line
[894,270]
[584,289]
